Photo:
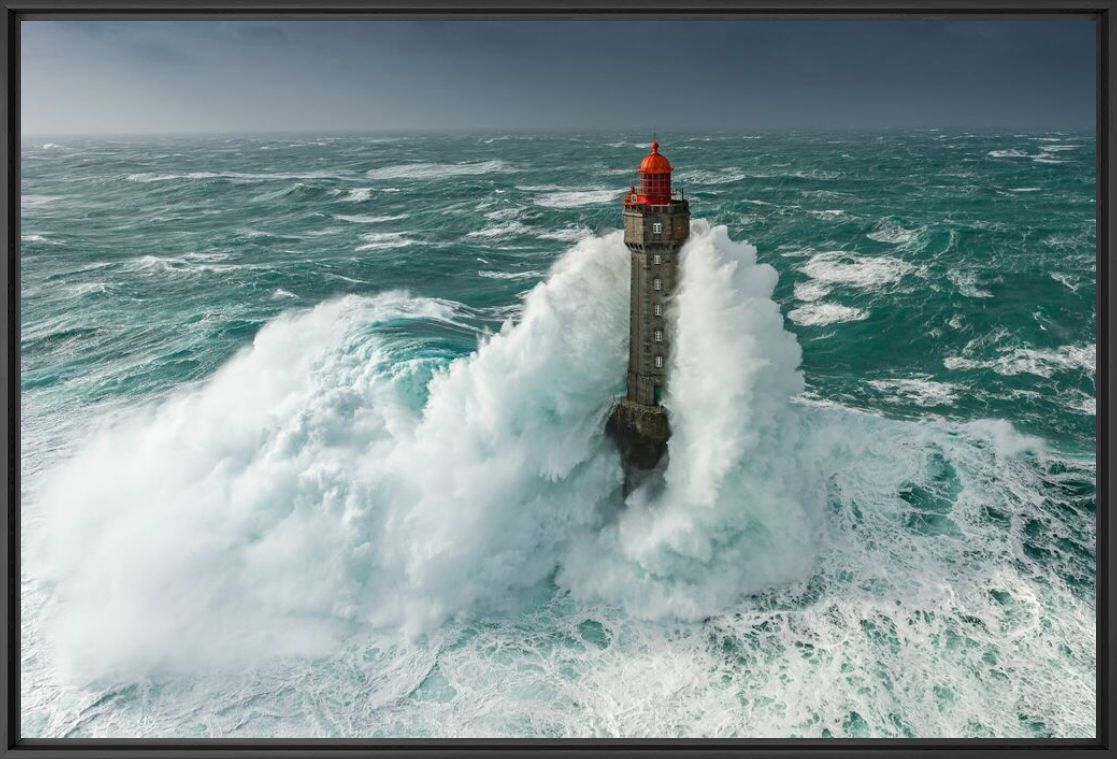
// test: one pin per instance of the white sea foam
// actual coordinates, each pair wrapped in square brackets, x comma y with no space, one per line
[890,231]
[147,176]
[503,214]
[358,195]
[915,391]
[1087,404]
[507,229]
[422,171]
[379,240]
[570,234]
[576,199]
[820,314]
[1040,362]
[1008,153]
[1068,281]
[367,219]
[700,177]
[966,282]
[811,290]
[187,264]
[511,274]
[35,201]
[839,267]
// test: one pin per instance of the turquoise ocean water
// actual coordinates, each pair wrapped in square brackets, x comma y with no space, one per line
[311,439]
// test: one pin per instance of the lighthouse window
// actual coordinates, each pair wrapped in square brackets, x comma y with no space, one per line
[657,229]
[657,258]
[659,336]
[659,362]
[657,284]
[658,309]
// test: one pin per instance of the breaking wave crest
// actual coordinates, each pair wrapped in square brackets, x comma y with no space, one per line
[321,475]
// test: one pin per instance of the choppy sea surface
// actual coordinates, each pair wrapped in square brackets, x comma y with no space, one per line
[312,439]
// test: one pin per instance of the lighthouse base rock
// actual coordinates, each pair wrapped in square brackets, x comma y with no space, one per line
[641,434]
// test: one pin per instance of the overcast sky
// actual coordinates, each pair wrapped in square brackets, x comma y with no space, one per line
[394,76]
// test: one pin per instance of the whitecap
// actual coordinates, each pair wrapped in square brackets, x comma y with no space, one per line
[511,274]
[820,314]
[916,391]
[889,231]
[841,268]
[35,201]
[1041,362]
[576,199]
[966,282]
[570,234]
[366,219]
[500,230]
[378,240]
[828,214]
[358,195]
[421,171]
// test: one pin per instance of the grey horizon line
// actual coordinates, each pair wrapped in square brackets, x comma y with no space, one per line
[543,131]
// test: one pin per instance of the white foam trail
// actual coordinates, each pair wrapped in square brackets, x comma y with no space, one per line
[839,267]
[570,234]
[358,195]
[821,314]
[367,219]
[916,391]
[966,282]
[511,274]
[1040,362]
[380,240]
[438,170]
[889,231]
[508,229]
[147,177]
[576,199]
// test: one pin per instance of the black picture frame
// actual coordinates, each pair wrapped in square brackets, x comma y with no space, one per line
[1102,12]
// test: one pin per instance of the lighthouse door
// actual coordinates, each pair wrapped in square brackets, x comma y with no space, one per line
[657,394]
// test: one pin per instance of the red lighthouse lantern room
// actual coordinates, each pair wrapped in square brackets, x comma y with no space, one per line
[655,180]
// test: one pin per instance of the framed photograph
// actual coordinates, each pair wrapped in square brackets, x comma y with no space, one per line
[412,379]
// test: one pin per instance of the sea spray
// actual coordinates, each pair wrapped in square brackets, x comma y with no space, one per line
[295,496]
[738,509]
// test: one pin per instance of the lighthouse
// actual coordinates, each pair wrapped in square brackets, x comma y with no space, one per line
[656,224]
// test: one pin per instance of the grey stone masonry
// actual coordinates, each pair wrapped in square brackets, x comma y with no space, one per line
[654,234]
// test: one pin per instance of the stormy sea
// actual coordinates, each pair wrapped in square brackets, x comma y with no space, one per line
[312,439]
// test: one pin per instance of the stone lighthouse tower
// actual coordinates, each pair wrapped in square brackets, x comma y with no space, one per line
[656,224]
